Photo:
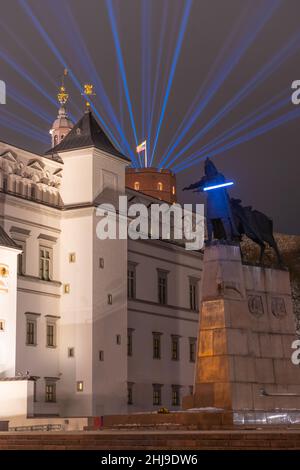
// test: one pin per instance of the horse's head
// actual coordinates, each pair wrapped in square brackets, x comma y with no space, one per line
[235,202]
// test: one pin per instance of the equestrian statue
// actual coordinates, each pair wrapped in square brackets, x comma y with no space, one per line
[227,219]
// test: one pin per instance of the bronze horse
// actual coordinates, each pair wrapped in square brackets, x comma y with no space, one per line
[256,225]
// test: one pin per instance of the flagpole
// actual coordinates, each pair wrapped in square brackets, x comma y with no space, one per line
[146,161]
[140,148]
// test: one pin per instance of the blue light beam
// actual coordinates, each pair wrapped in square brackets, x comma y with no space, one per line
[26,76]
[246,137]
[257,23]
[63,12]
[230,39]
[60,58]
[213,71]
[243,124]
[184,21]
[28,104]
[114,30]
[157,71]
[269,68]
[13,123]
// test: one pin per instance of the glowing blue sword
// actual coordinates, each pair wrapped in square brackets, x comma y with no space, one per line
[216,186]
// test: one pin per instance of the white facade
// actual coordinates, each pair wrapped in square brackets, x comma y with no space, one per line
[147,319]
[70,331]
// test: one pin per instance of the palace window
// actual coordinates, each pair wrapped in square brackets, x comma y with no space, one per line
[21,256]
[173,190]
[175,347]
[118,339]
[192,350]
[71,352]
[175,395]
[136,185]
[157,394]
[31,330]
[131,280]
[129,341]
[130,393]
[101,355]
[194,294]
[45,263]
[156,338]
[34,391]
[159,186]
[2,325]
[50,392]
[162,278]
[51,335]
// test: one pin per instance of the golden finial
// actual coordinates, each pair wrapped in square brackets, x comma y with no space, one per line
[88,90]
[62,95]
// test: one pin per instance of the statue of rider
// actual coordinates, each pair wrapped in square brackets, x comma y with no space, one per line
[219,217]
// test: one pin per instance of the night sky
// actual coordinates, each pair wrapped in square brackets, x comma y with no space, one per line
[265,168]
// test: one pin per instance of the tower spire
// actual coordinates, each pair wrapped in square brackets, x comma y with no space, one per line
[62,95]
[62,124]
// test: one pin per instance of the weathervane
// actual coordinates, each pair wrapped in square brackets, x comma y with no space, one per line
[88,91]
[62,95]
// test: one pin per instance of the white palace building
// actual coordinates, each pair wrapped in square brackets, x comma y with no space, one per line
[87,326]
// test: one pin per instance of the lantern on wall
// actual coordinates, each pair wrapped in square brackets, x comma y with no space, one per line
[4,273]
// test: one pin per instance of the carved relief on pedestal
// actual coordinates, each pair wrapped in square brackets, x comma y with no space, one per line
[255,305]
[278,307]
[230,288]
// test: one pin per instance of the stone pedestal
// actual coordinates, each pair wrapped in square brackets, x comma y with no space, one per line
[246,330]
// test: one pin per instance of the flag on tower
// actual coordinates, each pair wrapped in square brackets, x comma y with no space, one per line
[143,147]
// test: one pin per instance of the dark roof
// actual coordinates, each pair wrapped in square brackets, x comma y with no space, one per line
[5,240]
[86,133]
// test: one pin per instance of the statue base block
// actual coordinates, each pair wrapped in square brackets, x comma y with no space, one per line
[246,331]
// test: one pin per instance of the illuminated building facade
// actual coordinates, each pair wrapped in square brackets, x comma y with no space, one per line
[158,183]
[88,326]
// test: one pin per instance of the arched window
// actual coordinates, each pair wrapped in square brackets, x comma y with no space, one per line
[62,136]
[159,186]
[173,190]
[55,139]
[136,185]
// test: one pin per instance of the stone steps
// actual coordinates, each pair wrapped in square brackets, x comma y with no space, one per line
[198,440]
